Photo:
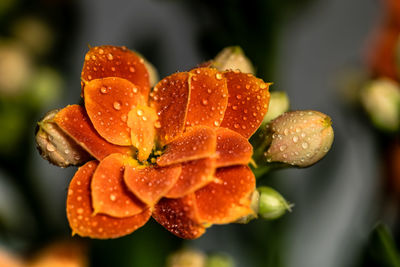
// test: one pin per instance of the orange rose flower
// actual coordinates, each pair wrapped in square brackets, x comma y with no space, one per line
[178,153]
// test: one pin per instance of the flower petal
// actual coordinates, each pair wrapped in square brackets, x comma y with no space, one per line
[195,174]
[74,121]
[232,148]
[109,193]
[112,61]
[80,212]
[170,99]
[179,217]
[142,121]
[151,183]
[228,198]
[108,102]
[247,104]
[208,98]
[198,142]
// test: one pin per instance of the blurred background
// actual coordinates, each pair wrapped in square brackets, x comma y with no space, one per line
[315,50]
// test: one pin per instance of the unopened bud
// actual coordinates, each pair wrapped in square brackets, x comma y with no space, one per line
[278,104]
[272,204]
[381,100]
[57,147]
[233,58]
[153,74]
[397,55]
[219,260]
[255,198]
[299,138]
[186,258]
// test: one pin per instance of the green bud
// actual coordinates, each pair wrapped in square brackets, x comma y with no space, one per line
[272,204]
[232,58]
[255,198]
[278,104]
[397,56]
[153,74]
[35,34]
[57,147]
[219,260]
[186,258]
[15,68]
[381,100]
[299,138]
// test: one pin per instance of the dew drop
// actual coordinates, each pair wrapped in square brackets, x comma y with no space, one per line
[101,51]
[110,56]
[295,139]
[103,90]
[139,112]
[123,117]
[117,105]
[304,145]
[282,148]
[204,102]
[50,148]
[113,197]
[131,69]
[218,76]
[236,125]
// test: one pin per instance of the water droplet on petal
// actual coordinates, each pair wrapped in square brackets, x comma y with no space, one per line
[117,105]
[110,56]
[304,145]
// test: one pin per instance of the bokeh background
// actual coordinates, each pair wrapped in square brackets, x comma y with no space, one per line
[306,47]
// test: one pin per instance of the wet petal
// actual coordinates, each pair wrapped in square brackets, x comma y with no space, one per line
[195,174]
[151,183]
[232,148]
[198,142]
[170,99]
[247,103]
[112,61]
[142,122]
[179,217]
[108,102]
[228,198]
[74,121]
[80,212]
[208,98]
[109,193]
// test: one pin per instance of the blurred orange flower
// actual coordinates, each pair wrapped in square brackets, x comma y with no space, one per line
[178,153]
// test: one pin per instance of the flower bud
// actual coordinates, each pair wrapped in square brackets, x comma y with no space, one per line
[186,258]
[57,147]
[233,58]
[153,74]
[272,205]
[219,260]
[299,138]
[381,100]
[278,104]
[255,198]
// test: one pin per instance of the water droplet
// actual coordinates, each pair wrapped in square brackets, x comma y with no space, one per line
[110,56]
[157,124]
[94,57]
[131,69]
[238,96]
[295,139]
[103,90]
[218,76]
[50,147]
[216,123]
[117,105]
[204,102]
[123,117]
[304,145]
[101,51]
[139,112]
[113,197]
[236,125]
[286,131]
[282,148]
[112,69]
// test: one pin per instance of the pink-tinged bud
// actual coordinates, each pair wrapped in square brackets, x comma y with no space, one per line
[299,138]
[232,58]
[57,147]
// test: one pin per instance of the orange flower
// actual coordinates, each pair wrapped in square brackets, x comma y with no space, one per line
[178,153]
